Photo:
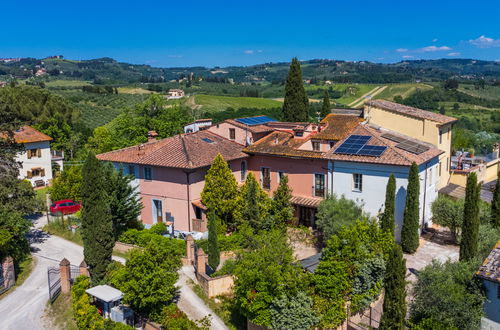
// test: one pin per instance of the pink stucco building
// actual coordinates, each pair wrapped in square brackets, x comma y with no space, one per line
[170,172]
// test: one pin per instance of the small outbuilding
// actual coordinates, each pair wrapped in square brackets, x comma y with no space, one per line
[105,298]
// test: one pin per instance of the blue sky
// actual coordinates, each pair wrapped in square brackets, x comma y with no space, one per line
[221,33]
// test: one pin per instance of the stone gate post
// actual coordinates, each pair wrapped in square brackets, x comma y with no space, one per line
[65,272]
[9,273]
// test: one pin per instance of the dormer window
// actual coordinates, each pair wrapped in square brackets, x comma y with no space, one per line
[299,133]
[315,145]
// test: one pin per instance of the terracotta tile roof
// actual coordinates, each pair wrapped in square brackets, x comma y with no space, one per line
[306,201]
[283,144]
[490,269]
[27,134]
[190,151]
[337,127]
[411,111]
[391,156]
[253,129]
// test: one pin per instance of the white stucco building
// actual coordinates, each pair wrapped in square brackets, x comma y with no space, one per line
[36,159]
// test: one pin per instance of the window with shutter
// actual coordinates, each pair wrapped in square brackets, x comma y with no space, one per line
[28,152]
[39,153]
[29,175]
[42,172]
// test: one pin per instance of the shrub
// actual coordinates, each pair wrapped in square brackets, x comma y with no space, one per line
[334,213]
[448,213]
[173,318]
[293,312]
[450,293]
[86,315]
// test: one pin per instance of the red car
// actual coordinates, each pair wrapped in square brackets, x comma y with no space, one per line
[66,206]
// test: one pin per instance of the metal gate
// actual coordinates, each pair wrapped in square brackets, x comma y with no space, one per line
[54,278]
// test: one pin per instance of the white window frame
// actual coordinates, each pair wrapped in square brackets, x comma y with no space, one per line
[358,183]
[155,210]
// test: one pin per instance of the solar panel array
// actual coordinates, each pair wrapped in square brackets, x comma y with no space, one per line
[405,144]
[357,145]
[251,121]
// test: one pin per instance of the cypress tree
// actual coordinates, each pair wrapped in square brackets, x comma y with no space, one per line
[325,109]
[387,220]
[495,205]
[282,208]
[395,291]
[470,227]
[220,190]
[296,103]
[97,226]
[255,203]
[213,241]
[409,232]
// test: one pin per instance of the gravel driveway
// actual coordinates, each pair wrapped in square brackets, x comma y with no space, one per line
[23,308]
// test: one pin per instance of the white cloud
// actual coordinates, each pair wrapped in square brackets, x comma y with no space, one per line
[402,50]
[485,42]
[407,56]
[434,49]
[454,54]
[434,40]
[249,51]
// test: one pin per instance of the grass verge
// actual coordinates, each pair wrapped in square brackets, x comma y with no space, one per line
[60,313]
[223,306]
[58,229]
[25,269]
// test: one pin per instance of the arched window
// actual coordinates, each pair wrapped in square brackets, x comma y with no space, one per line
[243,170]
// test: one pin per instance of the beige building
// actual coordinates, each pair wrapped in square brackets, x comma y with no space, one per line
[419,124]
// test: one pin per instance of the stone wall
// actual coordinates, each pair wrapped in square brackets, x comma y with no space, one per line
[215,286]
[124,247]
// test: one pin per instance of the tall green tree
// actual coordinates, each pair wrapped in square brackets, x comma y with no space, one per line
[125,202]
[387,219]
[395,291]
[409,232]
[296,103]
[325,108]
[148,278]
[470,227]
[255,205]
[293,312]
[282,208]
[213,241]
[97,225]
[495,204]
[220,191]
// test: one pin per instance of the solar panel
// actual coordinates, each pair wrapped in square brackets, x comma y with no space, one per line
[250,121]
[405,144]
[393,137]
[413,147]
[374,151]
[353,144]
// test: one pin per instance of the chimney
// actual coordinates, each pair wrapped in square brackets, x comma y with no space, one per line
[496,148]
[140,151]
[152,136]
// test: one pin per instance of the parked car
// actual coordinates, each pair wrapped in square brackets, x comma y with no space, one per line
[66,206]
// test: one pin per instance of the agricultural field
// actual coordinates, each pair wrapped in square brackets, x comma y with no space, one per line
[215,103]
[66,83]
[133,90]
[488,92]
[403,90]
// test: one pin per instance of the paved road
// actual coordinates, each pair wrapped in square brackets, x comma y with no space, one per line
[24,307]
[191,304]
